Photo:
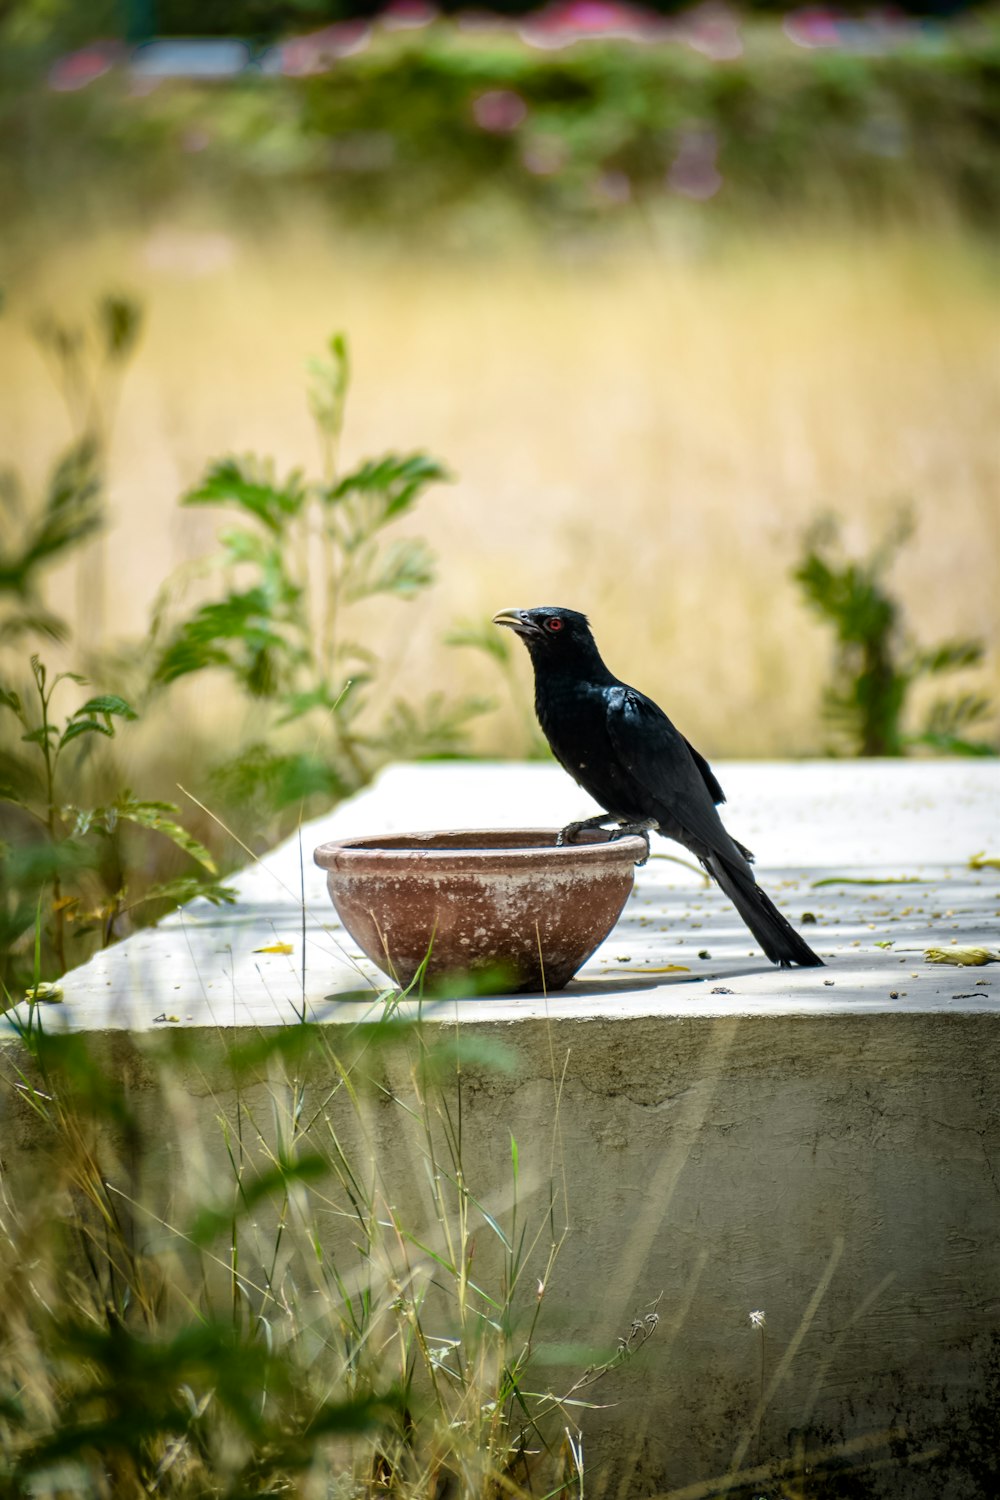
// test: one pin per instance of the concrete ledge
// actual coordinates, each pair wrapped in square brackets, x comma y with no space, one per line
[820,1145]
[912,824]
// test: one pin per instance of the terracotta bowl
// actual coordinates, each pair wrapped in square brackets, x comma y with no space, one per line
[505,907]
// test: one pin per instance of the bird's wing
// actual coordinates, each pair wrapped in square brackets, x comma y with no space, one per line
[664,773]
[708,776]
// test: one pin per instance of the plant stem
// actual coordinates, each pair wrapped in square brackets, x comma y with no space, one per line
[59,926]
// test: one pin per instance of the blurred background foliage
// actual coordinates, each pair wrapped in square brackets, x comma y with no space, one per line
[561,117]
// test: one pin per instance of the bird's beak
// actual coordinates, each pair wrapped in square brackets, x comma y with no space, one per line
[516,619]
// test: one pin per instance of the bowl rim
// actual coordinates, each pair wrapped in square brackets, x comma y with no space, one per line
[373,853]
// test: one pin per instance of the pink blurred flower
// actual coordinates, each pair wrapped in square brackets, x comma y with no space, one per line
[500,111]
[77,69]
[319,50]
[714,30]
[406,15]
[878,32]
[567,21]
[814,26]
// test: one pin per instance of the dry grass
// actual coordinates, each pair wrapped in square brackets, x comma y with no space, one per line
[642,433]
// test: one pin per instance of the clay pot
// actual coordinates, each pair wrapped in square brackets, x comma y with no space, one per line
[506,908]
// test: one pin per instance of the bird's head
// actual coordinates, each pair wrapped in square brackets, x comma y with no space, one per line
[552,635]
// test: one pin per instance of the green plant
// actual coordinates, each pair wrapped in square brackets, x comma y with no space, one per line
[87,365]
[70,513]
[307,554]
[876,663]
[298,1304]
[63,866]
[65,878]
[88,362]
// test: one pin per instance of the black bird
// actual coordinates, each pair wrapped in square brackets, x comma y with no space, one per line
[625,752]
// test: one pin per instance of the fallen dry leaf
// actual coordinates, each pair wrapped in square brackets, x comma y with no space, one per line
[277,948]
[964,957]
[664,969]
[49,994]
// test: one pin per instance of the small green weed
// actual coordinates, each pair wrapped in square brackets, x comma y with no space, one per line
[876,664]
[285,628]
[67,880]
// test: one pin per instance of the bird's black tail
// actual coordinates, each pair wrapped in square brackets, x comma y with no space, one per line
[774,933]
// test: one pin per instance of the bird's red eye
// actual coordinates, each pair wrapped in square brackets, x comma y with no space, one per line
[554,623]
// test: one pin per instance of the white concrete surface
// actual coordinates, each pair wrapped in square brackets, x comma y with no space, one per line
[912,824]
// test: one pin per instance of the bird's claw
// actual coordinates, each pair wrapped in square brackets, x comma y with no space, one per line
[638,831]
[634,833]
[571,833]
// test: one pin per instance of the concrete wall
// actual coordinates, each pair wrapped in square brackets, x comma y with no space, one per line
[841,1174]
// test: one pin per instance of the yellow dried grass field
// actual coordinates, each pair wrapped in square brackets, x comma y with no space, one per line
[643,433]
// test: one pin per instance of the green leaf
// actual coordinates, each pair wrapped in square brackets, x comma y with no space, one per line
[186,653]
[159,817]
[120,321]
[33,621]
[950,744]
[61,340]
[491,1221]
[76,727]
[40,735]
[250,484]
[328,387]
[381,490]
[354,651]
[297,705]
[950,656]
[72,511]
[108,705]
[435,727]
[873,671]
[253,621]
[403,568]
[83,818]
[276,1181]
[31,866]
[284,779]
[105,703]
[244,546]
[126,1393]
[188,888]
